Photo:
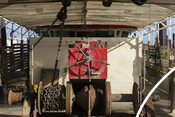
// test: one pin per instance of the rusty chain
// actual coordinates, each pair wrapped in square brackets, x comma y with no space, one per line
[53,98]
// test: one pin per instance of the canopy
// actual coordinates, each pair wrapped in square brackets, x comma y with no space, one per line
[32,13]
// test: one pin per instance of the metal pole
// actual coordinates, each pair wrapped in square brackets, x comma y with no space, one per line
[14,30]
[24,33]
[21,33]
[1,23]
[169,31]
[12,35]
[2,26]
[159,29]
[28,34]
[144,71]
[158,26]
[31,35]
[149,38]
[169,42]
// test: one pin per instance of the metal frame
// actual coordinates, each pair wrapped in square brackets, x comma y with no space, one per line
[146,31]
[19,27]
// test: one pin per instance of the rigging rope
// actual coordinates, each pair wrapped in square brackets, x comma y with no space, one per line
[62,15]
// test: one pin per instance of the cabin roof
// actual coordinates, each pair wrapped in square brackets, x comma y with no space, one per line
[33,13]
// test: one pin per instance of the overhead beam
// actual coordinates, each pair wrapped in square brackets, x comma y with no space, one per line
[3,6]
[30,1]
[122,14]
[158,2]
[34,25]
[171,7]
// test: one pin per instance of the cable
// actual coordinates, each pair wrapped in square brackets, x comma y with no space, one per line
[62,15]
[153,89]
[42,36]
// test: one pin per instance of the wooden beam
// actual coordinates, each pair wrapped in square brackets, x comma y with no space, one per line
[171,7]
[32,26]
[30,1]
[28,14]
[3,6]
[157,2]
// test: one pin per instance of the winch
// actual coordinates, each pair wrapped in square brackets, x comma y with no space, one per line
[87,88]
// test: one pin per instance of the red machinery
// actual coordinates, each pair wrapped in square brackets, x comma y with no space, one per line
[80,70]
[88,89]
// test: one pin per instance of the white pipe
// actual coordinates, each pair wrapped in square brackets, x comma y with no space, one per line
[153,89]
[144,69]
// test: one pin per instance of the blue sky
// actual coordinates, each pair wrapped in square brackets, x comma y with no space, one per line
[145,39]
[18,32]
[153,35]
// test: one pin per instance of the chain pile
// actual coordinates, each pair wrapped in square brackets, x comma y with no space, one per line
[53,98]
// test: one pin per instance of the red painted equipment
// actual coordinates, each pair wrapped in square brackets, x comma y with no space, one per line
[80,70]
[88,73]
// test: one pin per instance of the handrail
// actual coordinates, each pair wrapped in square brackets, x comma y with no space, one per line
[152,90]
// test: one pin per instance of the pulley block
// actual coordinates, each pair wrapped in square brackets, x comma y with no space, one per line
[139,2]
[107,3]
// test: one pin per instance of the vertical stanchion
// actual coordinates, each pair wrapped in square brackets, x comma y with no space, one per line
[28,66]
[22,56]
[169,43]
[173,94]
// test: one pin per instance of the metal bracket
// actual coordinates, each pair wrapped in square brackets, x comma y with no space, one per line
[13,31]
[4,25]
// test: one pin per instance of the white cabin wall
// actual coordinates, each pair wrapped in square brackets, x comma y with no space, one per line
[123,70]
[44,56]
[124,56]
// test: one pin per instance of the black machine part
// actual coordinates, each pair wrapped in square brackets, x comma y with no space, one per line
[66,3]
[107,3]
[139,2]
